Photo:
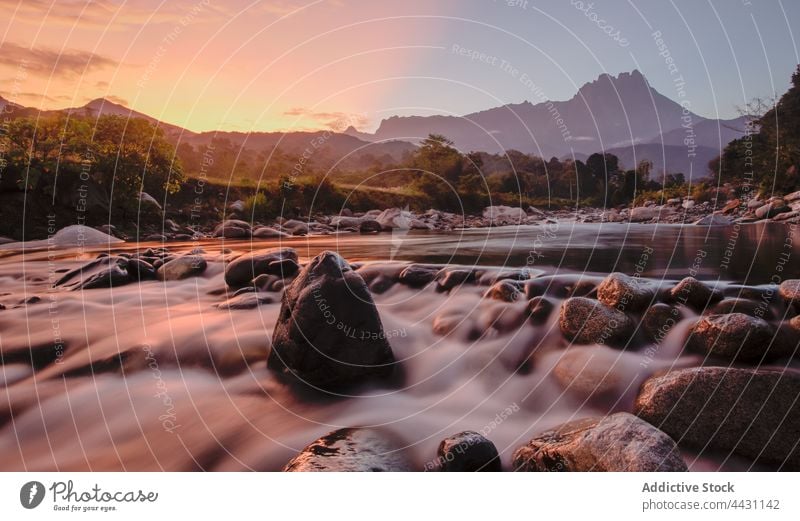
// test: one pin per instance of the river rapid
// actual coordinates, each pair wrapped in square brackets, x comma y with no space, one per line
[154,376]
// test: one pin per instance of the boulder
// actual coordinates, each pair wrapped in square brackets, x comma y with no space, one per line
[504,215]
[351,450]
[182,267]
[112,276]
[504,290]
[295,227]
[232,229]
[139,269]
[659,319]
[468,451]
[394,218]
[789,290]
[329,334]
[276,261]
[265,232]
[626,293]
[617,443]
[643,213]
[346,221]
[695,293]
[771,209]
[539,309]
[751,412]
[370,226]
[587,321]
[735,336]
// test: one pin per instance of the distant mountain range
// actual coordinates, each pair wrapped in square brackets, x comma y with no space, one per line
[622,115]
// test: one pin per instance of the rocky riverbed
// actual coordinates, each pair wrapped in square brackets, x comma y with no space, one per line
[237,224]
[288,356]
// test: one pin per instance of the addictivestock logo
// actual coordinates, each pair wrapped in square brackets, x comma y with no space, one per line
[66,496]
[31,494]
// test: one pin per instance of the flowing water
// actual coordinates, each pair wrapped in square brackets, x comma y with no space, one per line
[152,375]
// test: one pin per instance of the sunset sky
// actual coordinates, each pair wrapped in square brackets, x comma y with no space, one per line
[297,64]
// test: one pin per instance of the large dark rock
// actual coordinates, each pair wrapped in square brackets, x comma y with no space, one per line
[278,261]
[351,450]
[329,333]
[112,276]
[467,451]
[659,319]
[539,309]
[587,321]
[751,412]
[617,443]
[626,293]
[182,267]
[735,336]
[695,293]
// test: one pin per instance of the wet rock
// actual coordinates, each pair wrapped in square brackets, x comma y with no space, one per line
[587,321]
[448,279]
[617,443]
[694,293]
[182,267]
[232,229]
[351,450]
[539,309]
[268,283]
[742,305]
[110,277]
[277,261]
[735,336]
[394,218]
[504,290]
[659,319]
[468,451]
[751,412]
[329,333]
[714,219]
[265,232]
[600,376]
[418,275]
[789,290]
[370,226]
[249,300]
[381,284]
[139,269]
[625,293]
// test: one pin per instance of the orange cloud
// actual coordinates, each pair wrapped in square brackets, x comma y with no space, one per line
[50,62]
